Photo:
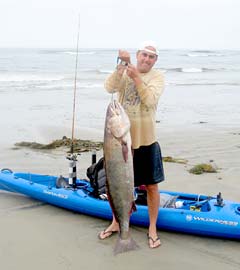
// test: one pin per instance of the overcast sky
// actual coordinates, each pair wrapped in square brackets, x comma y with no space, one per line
[190,24]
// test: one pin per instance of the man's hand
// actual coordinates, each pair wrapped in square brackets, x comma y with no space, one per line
[121,69]
[123,56]
[132,72]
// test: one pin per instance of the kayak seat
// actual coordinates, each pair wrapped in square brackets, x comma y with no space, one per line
[166,200]
[97,176]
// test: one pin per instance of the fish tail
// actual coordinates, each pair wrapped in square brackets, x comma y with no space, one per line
[124,245]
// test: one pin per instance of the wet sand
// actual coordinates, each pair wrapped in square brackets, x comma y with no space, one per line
[39,236]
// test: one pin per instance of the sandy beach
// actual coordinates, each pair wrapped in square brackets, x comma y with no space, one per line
[197,120]
[36,235]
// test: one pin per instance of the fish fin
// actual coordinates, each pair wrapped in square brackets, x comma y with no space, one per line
[124,245]
[125,151]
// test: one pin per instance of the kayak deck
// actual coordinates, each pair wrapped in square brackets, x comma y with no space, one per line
[186,201]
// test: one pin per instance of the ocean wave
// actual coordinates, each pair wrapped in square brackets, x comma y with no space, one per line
[105,71]
[200,69]
[91,85]
[203,83]
[69,52]
[96,71]
[80,53]
[29,77]
[66,85]
[203,54]
[191,69]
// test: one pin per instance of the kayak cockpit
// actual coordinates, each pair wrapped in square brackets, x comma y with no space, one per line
[167,199]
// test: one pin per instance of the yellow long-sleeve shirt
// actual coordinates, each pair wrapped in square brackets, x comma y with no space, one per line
[140,103]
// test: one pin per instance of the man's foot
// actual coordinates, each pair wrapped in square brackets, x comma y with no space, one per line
[106,234]
[111,229]
[153,242]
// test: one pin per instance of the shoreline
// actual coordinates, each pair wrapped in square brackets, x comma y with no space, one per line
[220,147]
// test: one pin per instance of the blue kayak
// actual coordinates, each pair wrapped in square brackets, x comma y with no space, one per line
[190,213]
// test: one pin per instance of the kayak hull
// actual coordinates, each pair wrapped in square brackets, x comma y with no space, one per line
[198,214]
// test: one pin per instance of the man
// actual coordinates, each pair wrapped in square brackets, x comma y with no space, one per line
[139,88]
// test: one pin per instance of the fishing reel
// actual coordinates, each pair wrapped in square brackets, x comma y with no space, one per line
[122,62]
[72,156]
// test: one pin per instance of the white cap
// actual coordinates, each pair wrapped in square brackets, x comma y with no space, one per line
[144,46]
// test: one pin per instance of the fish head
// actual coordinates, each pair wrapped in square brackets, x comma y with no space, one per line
[117,121]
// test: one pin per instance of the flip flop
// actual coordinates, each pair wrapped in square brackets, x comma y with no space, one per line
[153,241]
[106,234]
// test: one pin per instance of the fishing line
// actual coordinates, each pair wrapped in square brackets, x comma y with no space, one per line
[75,86]
[112,95]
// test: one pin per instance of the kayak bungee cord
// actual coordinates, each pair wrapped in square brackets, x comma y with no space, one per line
[73,157]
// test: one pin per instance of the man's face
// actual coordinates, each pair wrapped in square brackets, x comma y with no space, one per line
[145,60]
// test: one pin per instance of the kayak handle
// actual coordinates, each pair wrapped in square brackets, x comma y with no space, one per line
[237,210]
[6,170]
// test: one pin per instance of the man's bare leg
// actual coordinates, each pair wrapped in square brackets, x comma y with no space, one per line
[153,199]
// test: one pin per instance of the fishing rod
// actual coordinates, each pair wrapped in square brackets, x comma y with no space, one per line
[73,157]
[75,89]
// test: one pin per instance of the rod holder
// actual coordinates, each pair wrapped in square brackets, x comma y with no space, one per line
[94,156]
[72,180]
[219,200]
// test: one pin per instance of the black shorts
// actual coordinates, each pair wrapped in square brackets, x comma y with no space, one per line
[148,166]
